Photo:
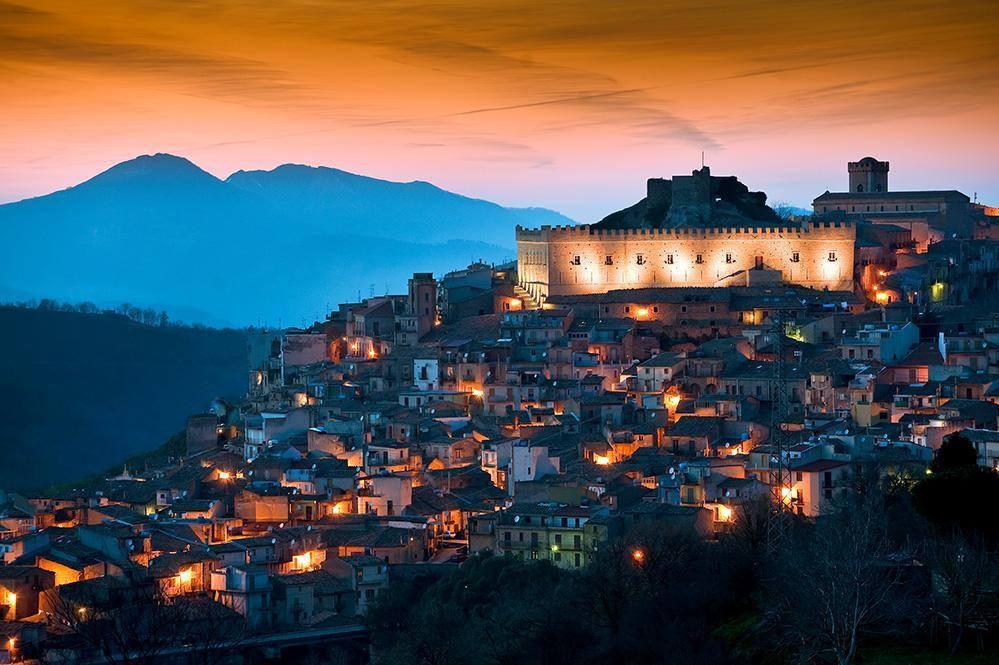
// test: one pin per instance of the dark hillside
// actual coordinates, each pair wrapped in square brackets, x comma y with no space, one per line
[82,391]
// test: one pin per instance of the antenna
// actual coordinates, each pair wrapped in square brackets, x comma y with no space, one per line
[702,159]
[780,475]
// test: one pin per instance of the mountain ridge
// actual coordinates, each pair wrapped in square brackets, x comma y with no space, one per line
[258,244]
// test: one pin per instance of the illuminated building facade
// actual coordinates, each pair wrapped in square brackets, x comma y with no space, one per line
[693,230]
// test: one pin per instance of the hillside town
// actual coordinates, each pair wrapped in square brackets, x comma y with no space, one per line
[693,364]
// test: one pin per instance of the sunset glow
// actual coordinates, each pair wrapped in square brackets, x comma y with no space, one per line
[568,105]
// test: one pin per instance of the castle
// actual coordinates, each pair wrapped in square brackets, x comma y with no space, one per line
[696,230]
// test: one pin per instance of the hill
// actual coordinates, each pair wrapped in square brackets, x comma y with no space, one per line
[83,391]
[258,246]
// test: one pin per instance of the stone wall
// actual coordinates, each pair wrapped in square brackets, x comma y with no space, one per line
[580,259]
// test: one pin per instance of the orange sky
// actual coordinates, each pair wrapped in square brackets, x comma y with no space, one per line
[564,104]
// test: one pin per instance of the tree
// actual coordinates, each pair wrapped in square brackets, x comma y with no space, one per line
[123,620]
[955,454]
[836,582]
[965,574]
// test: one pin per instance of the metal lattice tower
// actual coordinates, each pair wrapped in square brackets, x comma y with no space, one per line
[780,474]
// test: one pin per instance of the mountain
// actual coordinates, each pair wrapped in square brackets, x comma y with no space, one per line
[83,391]
[260,246]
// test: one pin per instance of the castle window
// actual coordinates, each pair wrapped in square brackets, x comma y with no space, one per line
[576,260]
[699,259]
[609,260]
[729,259]
[832,256]
[877,187]
[795,257]
[712,308]
[860,188]
[655,309]
[627,309]
[683,308]
[669,259]
[640,260]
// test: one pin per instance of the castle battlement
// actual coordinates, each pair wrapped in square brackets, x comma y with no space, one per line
[563,233]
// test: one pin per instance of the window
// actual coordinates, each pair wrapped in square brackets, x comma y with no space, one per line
[640,260]
[669,259]
[609,260]
[711,308]
[655,309]
[627,309]
[699,259]
[832,256]
[558,539]
[683,308]
[729,259]
[860,188]
[577,541]
[795,257]
[577,559]
[576,260]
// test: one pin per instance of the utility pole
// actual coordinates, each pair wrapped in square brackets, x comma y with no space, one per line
[780,473]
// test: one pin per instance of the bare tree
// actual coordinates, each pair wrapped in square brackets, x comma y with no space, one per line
[125,624]
[963,574]
[836,582]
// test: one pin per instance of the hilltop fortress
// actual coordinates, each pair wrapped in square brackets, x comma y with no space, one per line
[696,230]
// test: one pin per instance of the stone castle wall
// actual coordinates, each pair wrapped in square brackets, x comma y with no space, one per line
[579,259]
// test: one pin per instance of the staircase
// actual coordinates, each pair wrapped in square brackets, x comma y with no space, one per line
[530,302]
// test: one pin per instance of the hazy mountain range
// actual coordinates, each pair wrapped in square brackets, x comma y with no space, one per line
[260,246]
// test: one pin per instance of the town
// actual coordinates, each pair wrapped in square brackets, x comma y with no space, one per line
[700,368]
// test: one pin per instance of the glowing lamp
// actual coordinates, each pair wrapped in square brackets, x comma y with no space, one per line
[372,353]
[638,555]
[476,392]
[11,598]
[224,475]
[642,312]
[724,513]
[602,460]
[11,642]
[185,576]
[881,297]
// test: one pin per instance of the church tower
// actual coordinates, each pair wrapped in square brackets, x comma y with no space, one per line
[868,175]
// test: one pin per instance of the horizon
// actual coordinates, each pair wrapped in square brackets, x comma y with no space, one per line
[523,108]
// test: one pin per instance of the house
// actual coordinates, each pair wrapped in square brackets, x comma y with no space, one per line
[816,485]
[246,590]
[20,590]
[367,575]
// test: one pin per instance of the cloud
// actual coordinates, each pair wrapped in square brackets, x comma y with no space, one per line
[34,37]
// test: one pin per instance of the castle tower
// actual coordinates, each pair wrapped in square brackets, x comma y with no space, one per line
[422,301]
[868,175]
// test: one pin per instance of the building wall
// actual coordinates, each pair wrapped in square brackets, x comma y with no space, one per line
[547,256]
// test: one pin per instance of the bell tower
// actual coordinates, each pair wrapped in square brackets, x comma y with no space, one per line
[868,175]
